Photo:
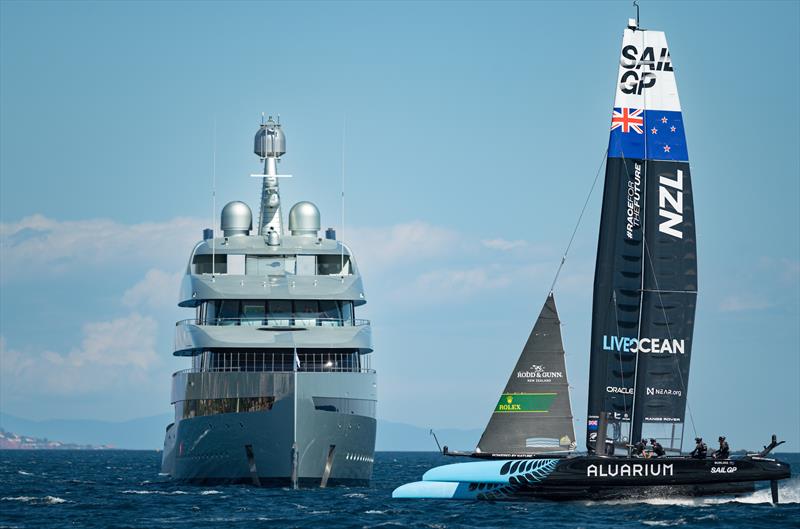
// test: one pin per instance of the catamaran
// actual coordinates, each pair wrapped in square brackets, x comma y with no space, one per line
[645,291]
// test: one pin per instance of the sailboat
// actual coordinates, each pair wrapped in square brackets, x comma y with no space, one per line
[645,291]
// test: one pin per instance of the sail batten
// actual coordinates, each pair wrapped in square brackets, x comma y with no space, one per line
[646,273]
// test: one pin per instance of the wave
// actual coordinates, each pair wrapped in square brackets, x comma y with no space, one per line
[788,492]
[209,492]
[355,495]
[164,492]
[664,523]
[34,500]
[23,473]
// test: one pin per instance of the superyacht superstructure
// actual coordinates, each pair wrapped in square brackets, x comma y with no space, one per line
[280,389]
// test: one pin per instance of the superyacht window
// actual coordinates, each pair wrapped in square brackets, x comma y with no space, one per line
[276,312]
[332,265]
[201,264]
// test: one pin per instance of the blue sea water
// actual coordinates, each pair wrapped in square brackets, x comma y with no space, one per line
[123,489]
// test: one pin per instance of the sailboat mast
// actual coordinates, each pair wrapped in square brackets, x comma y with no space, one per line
[635,431]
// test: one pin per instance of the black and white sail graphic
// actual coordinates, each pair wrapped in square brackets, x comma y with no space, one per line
[646,273]
[533,414]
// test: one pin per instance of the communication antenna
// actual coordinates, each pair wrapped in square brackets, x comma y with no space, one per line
[636,4]
[213,198]
[344,131]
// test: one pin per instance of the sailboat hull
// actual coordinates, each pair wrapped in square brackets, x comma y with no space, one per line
[593,478]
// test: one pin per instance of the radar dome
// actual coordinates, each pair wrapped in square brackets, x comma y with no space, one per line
[236,219]
[304,219]
[270,140]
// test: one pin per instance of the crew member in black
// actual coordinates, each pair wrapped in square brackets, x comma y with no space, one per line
[724,451]
[700,449]
[658,450]
[638,448]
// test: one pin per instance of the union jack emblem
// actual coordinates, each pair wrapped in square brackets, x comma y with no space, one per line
[627,119]
[592,422]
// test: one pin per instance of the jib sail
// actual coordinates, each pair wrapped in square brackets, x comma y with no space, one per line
[533,414]
[646,273]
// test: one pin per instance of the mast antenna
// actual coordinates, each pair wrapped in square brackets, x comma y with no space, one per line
[214,198]
[636,4]
[344,133]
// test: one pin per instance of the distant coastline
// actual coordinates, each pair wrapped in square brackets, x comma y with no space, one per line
[15,441]
[147,434]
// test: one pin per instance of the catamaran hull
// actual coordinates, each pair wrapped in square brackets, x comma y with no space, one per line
[593,478]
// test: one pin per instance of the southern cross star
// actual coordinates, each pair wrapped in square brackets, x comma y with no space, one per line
[672,128]
[666,148]
[654,130]
[664,119]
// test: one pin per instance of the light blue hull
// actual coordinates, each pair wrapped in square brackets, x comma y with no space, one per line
[476,480]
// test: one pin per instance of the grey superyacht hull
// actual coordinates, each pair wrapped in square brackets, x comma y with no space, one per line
[305,438]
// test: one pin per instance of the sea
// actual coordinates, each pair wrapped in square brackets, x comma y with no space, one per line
[120,488]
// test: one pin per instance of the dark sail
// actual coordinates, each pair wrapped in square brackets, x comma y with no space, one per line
[646,273]
[668,299]
[617,296]
[533,414]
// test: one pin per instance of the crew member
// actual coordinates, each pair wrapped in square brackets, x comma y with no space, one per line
[658,450]
[638,448]
[724,451]
[700,449]
[647,453]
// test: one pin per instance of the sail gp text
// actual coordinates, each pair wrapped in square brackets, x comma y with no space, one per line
[643,345]
[634,79]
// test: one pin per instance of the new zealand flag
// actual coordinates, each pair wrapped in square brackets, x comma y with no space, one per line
[647,134]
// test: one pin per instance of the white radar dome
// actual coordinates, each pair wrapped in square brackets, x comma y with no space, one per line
[236,219]
[304,219]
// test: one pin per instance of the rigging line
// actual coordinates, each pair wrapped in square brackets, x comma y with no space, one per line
[669,333]
[344,131]
[213,199]
[577,224]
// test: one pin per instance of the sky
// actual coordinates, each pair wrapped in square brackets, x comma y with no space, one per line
[469,135]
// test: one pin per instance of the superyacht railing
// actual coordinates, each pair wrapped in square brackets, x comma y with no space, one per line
[294,321]
[284,363]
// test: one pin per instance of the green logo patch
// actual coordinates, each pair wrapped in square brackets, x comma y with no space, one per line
[525,402]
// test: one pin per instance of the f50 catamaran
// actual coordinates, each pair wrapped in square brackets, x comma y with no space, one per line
[645,290]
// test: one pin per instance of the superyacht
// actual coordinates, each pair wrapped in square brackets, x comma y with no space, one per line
[280,390]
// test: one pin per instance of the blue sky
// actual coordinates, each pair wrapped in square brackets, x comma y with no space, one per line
[473,133]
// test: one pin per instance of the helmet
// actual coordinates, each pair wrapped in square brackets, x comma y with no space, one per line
[652,441]
[698,439]
[721,437]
